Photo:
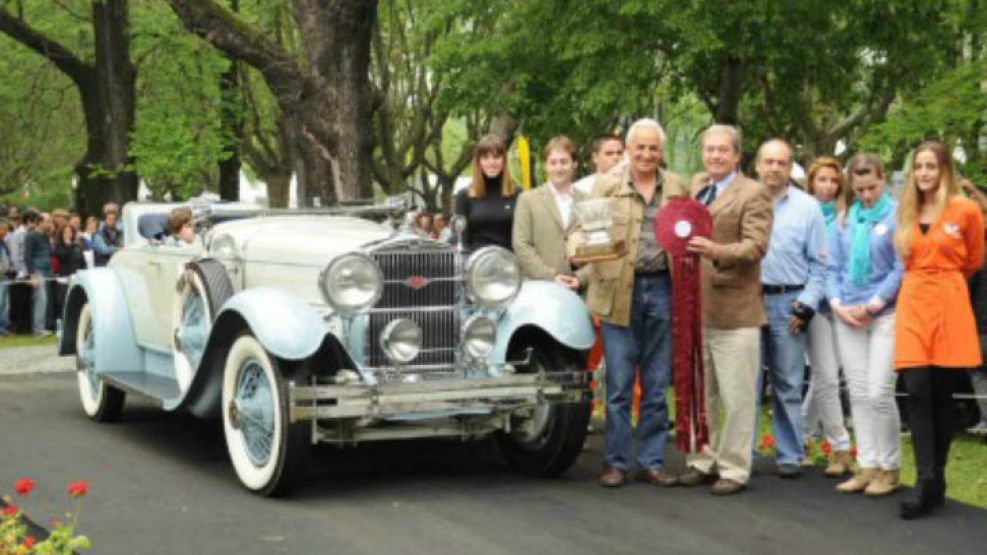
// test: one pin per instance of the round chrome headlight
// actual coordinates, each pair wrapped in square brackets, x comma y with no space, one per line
[351,282]
[493,276]
[401,340]
[479,336]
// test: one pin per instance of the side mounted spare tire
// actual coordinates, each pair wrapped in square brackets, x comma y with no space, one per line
[202,290]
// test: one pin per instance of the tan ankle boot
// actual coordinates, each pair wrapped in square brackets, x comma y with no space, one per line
[839,464]
[886,482]
[858,482]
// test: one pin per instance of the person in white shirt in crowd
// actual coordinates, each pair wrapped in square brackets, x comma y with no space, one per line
[608,150]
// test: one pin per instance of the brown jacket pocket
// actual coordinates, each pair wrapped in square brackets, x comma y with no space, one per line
[599,298]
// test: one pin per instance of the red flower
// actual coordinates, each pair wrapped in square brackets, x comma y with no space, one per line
[767,441]
[853,451]
[10,510]
[29,542]
[23,486]
[78,489]
[826,448]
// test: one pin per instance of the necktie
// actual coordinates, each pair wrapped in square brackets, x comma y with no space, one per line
[708,194]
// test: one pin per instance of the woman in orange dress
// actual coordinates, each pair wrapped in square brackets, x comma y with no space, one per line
[940,237]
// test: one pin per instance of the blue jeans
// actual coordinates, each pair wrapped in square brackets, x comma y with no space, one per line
[645,344]
[39,305]
[784,356]
[4,310]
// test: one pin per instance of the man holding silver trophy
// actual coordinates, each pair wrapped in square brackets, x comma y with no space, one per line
[630,292]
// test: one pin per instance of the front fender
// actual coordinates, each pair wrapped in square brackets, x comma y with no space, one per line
[550,307]
[116,344]
[286,326]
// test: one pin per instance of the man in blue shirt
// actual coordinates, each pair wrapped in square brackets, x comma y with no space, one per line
[109,237]
[793,279]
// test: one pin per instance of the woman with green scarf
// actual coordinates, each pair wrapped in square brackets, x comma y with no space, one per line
[863,279]
[822,412]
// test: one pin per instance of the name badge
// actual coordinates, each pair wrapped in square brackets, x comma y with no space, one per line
[952,230]
[881,229]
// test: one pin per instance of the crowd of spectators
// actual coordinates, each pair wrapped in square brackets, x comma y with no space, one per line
[39,251]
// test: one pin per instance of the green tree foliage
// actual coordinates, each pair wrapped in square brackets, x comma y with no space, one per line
[42,125]
[178,140]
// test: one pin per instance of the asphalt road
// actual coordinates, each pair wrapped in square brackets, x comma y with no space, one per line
[160,483]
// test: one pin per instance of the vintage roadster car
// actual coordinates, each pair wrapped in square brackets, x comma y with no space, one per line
[301,328]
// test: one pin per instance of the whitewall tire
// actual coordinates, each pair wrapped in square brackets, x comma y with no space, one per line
[100,401]
[266,451]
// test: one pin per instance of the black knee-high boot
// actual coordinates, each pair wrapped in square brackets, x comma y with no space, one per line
[944,384]
[922,420]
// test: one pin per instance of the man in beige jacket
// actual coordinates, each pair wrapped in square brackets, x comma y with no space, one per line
[733,311]
[544,218]
[632,298]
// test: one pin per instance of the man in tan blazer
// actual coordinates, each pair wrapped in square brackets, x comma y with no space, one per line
[544,218]
[733,311]
[632,298]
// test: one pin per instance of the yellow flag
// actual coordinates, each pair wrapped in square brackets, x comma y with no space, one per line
[524,157]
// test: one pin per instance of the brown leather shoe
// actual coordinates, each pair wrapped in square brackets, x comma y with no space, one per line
[693,477]
[726,486]
[613,477]
[658,477]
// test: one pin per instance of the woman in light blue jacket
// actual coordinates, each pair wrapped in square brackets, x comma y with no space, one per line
[863,280]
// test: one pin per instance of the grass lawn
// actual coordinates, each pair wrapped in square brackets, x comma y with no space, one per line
[24,341]
[966,471]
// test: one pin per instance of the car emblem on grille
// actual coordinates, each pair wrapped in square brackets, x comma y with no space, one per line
[416,282]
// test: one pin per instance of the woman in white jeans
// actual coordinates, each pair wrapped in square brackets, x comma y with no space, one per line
[821,408]
[863,280]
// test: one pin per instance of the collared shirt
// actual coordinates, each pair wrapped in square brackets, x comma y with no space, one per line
[563,201]
[720,186]
[650,256]
[797,249]
[886,268]
[585,185]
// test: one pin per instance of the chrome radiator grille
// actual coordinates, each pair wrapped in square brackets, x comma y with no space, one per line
[419,285]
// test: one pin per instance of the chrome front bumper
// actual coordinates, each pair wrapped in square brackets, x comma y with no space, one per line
[501,395]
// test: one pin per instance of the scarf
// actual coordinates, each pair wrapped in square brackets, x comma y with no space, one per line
[861,220]
[829,214]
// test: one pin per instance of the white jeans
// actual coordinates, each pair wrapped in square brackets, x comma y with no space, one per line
[867,355]
[821,408]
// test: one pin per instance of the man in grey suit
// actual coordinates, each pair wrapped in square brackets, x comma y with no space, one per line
[544,218]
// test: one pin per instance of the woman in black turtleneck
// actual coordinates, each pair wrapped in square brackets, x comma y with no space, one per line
[488,203]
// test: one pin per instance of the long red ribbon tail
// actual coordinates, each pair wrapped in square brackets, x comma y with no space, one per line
[691,427]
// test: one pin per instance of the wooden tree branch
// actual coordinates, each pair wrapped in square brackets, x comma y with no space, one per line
[236,39]
[67,62]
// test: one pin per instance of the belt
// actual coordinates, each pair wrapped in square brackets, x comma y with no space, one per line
[780,289]
[658,274]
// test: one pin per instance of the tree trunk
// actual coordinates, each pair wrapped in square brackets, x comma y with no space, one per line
[326,94]
[231,121]
[115,79]
[728,105]
[106,89]
[278,190]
